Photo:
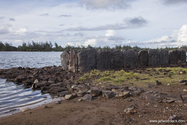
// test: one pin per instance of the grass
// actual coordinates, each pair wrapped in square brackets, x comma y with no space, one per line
[148,76]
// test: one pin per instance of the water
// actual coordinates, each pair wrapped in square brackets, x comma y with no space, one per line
[13,96]
[29,59]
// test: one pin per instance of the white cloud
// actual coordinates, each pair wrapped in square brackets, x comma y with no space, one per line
[122,4]
[69,44]
[182,35]
[91,42]
[18,41]
[176,39]
[110,33]
[22,31]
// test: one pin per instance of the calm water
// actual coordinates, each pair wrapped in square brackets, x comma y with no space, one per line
[13,96]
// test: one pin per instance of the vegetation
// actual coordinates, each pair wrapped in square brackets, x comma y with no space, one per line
[137,78]
[48,46]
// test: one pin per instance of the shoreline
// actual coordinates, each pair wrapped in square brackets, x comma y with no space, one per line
[103,111]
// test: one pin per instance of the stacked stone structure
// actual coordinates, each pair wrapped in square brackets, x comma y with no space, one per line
[90,59]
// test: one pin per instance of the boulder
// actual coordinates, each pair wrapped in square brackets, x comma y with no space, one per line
[80,88]
[63,93]
[130,59]
[70,96]
[81,94]
[107,93]
[95,92]
[154,58]
[20,78]
[87,97]
[73,61]
[65,60]
[143,58]
[103,60]
[117,60]
[55,90]
[123,94]
[87,60]
[37,85]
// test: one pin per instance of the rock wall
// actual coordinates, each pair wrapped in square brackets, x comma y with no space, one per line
[89,59]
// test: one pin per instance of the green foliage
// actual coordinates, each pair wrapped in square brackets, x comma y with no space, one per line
[105,79]
[48,46]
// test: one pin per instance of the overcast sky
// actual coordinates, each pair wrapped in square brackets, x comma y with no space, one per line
[145,23]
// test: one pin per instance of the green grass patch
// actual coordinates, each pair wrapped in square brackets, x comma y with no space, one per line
[148,76]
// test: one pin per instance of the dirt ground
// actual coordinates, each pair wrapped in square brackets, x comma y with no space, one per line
[103,111]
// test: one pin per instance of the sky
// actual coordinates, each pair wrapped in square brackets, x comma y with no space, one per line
[143,23]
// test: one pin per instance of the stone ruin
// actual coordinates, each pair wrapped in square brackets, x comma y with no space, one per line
[90,59]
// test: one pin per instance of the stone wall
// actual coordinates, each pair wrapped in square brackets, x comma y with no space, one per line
[89,59]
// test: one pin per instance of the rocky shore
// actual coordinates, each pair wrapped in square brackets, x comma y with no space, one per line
[132,104]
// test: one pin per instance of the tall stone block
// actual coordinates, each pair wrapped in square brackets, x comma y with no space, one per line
[177,56]
[65,60]
[143,58]
[130,59]
[103,60]
[73,61]
[182,55]
[154,58]
[87,60]
[164,57]
[117,60]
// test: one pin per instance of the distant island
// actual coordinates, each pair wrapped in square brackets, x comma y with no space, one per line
[48,46]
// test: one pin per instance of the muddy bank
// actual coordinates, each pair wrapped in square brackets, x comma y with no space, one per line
[101,111]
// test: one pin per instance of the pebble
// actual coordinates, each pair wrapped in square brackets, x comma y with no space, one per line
[24,109]
[185,90]
[58,102]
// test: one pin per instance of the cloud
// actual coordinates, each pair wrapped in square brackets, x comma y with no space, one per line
[5,29]
[110,33]
[176,39]
[45,14]
[69,44]
[61,25]
[1,18]
[170,2]
[22,31]
[79,34]
[115,38]
[91,42]
[105,4]
[136,21]
[129,23]
[11,19]
[182,35]
[64,16]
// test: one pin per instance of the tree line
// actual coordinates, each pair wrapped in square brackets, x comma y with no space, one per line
[48,46]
